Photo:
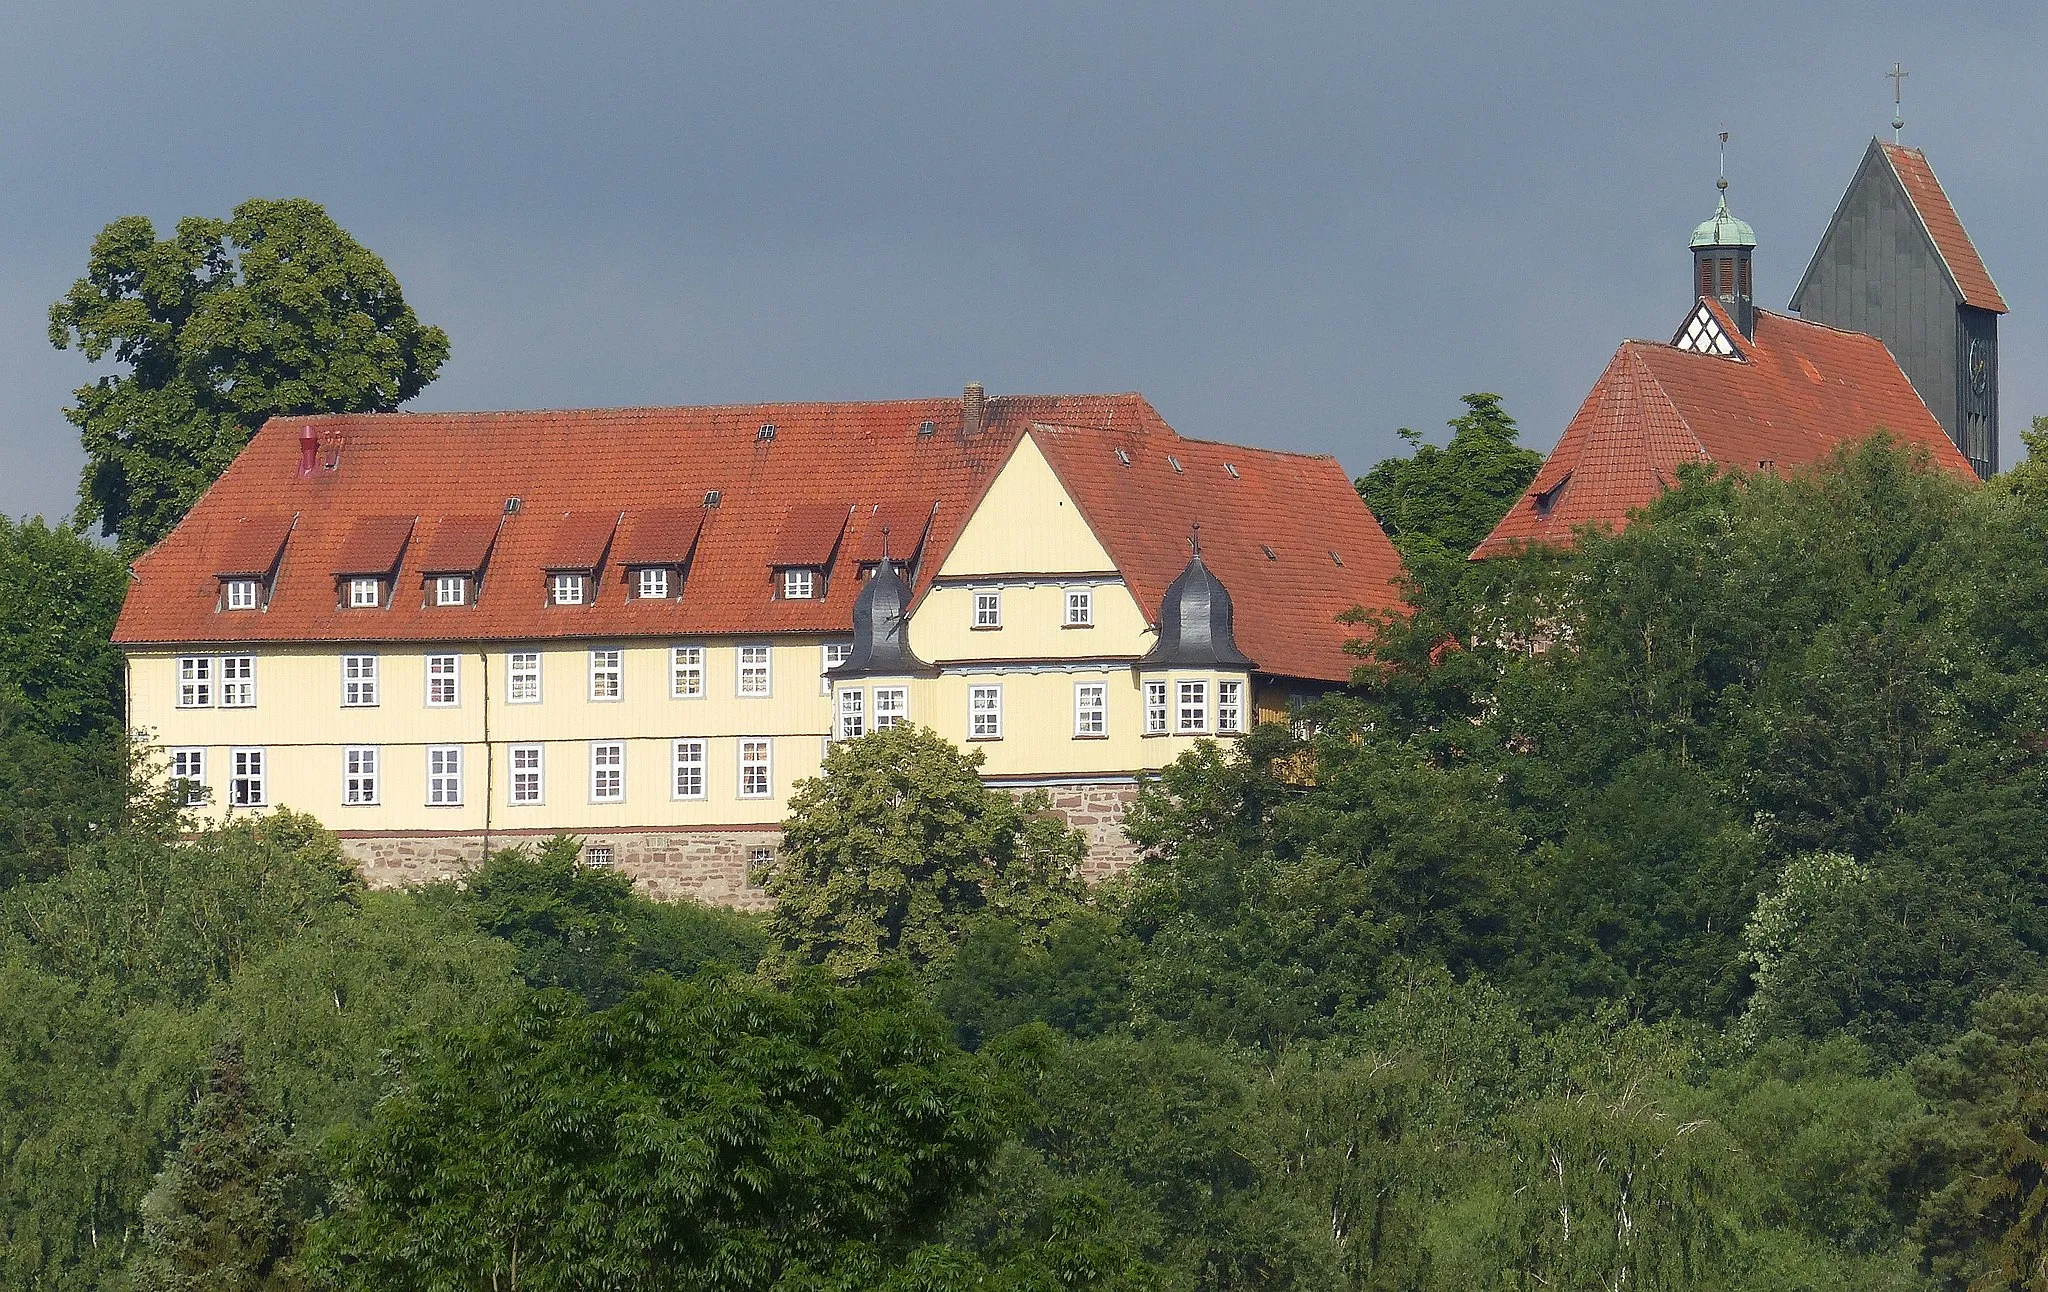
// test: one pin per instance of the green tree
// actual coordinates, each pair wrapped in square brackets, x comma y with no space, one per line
[223,1216]
[712,1134]
[274,312]
[898,846]
[1440,502]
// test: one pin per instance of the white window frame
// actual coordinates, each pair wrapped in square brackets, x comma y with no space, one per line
[850,720]
[891,707]
[799,585]
[607,771]
[444,776]
[444,669]
[764,671]
[248,779]
[241,594]
[976,710]
[1158,709]
[536,794]
[359,691]
[765,763]
[360,785]
[686,673]
[1199,688]
[365,594]
[650,583]
[517,673]
[833,654]
[1080,603]
[1091,710]
[195,682]
[988,609]
[1229,707]
[451,590]
[188,766]
[607,674]
[692,755]
[236,679]
[566,589]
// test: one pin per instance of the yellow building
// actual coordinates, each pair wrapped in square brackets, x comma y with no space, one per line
[442,633]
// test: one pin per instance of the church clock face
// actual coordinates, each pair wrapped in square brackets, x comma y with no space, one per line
[1980,368]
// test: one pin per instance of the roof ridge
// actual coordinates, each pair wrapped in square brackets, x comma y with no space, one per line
[618,409]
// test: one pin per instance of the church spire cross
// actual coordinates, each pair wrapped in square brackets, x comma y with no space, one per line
[1898,76]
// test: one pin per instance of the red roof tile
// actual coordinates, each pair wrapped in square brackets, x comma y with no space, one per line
[809,534]
[658,536]
[577,541]
[249,545]
[456,544]
[1965,267]
[373,545]
[1794,393]
[905,524]
[1303,508]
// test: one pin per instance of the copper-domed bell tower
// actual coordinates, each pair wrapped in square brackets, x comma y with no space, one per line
[1721,251]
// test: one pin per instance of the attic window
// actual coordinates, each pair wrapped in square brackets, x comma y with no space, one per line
[451,590]
[1123,457]
[566,589]
[1546,501]
[1271,555]
[651,583]
[1231,469]
[511,506]
[1173,462]
[766,433]
[365,594]
[1336,558]
[799,585]
[1703,334]
[927,428]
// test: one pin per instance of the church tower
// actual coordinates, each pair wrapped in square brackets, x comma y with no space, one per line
[1896,264]
[1721,252]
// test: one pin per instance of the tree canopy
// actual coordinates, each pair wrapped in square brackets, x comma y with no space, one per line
[1439,503]
[274,311]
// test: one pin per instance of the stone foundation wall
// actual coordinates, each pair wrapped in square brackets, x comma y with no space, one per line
[708,865]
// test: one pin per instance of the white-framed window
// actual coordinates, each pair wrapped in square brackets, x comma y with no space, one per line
[365,594]
[522,677]
[686,672]
[195,682]
[526,775]
[1191,714]
[358,681]
[799,585]
[1155,709]
[852,712]
[892,707]
[1229,706]
[985,712]
[651,584]
[689,769]
[1080,608]
[988,607]
[188,775]
[241,594]
[754,678]
[444,681]
[759,857]
[444,776]
[607,771]
[238,681]
[607,673]
[756,775]
[565,589]
[1091,708]
[359,776]
[245,781]
[598,855]
[836,653]
[451,590]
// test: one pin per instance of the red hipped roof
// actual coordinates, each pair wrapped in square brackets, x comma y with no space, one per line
[1788,398]
[604,489]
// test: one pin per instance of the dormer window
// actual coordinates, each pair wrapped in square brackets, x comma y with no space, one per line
[799,585]
[242,594]
[451,590]
[566,589]
[651,583]
[365,594]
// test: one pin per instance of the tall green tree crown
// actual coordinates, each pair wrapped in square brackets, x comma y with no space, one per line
[276,311]
[1442,501]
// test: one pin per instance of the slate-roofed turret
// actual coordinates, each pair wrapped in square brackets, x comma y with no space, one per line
[1195,623]
[881,641]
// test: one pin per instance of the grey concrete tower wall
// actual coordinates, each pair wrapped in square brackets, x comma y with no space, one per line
[1877,271]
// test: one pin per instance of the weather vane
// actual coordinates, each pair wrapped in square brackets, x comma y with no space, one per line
[1722,182]
[1898,76]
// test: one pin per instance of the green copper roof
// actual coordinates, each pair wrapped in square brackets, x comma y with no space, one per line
[1724,230]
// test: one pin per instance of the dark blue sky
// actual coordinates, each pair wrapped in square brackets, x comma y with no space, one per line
[1293,225]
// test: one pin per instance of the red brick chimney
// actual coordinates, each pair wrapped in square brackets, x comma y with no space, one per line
[309,450]
[973,411]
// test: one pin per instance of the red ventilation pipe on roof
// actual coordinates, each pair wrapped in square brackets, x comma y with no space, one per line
[309,450]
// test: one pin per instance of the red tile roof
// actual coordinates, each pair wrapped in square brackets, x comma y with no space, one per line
[658,536]
[809,534]
[1965,266]
[577,472]
[249,546]
[1793,394]
[1328,554]
[373,545]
